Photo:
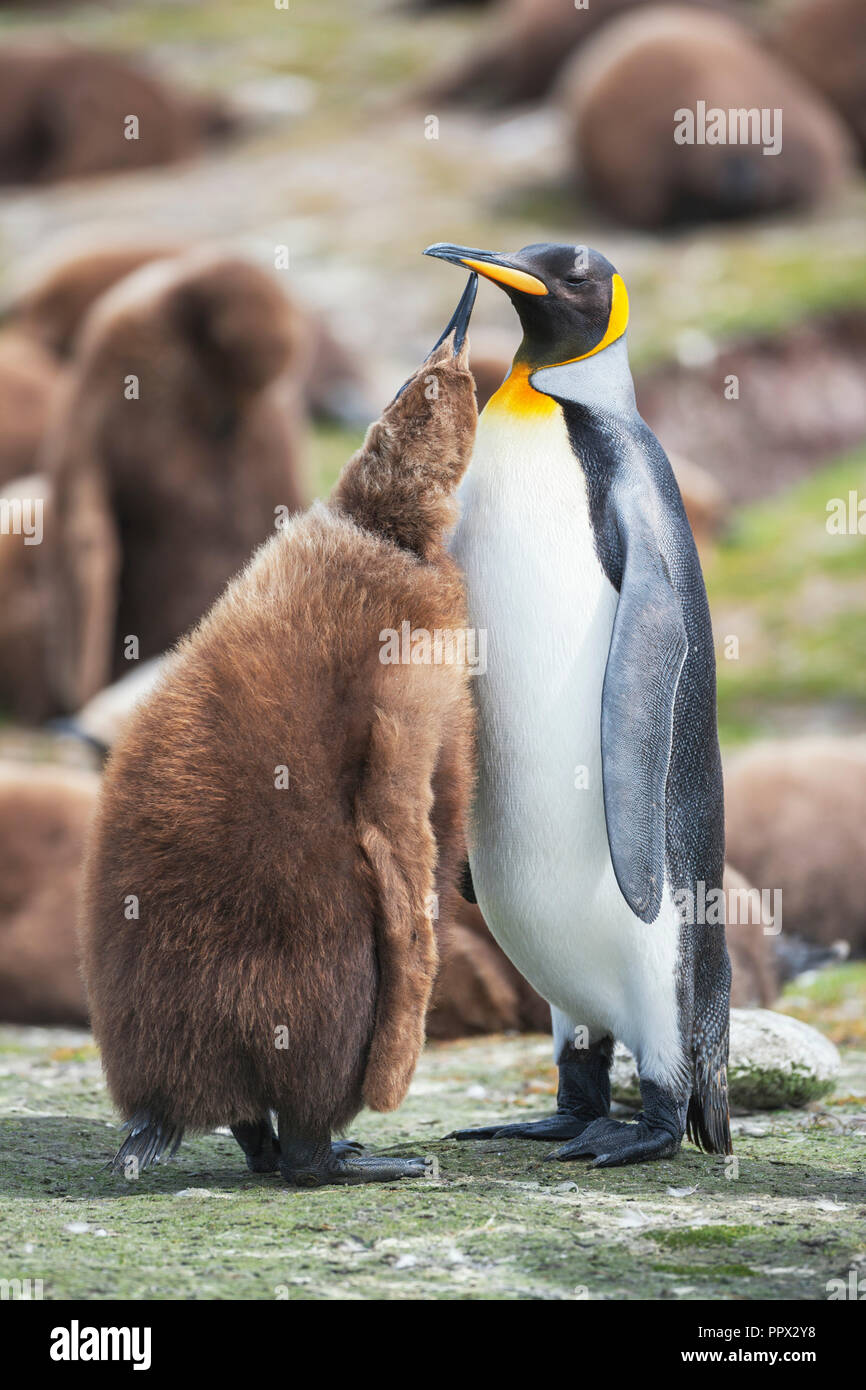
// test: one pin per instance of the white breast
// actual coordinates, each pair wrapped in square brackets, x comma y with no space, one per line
[539,851]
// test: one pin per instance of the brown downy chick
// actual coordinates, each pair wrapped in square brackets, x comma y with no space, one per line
[66,113]
[54,299]
[57,289]
[26,509]
[173,445]
[28,380]
[281,813]
[44,814]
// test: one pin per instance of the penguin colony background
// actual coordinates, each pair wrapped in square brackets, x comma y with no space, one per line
[382,850]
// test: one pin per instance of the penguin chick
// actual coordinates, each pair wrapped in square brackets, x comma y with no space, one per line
[172,451]
[623,95]
[796,822]
[825,41]
[529,42]
[28,378]
[283,809]
[55,291]
[53,301]
[64,113]
[26,506]
[44,815]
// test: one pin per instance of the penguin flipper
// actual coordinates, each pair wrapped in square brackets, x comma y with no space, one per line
[467,887]
[647,650]
[396,840]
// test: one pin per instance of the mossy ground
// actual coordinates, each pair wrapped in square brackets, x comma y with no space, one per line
[500,1222]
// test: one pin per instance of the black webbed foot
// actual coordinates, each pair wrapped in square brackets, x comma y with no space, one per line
[582,1096]
[613,1143]
[562,1125]
[656,1133]
[342,1165]
[260,1145]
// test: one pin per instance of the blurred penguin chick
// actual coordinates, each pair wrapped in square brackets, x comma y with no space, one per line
[44,816]
[627,98]
[64,114]
[172,453]
[56,292]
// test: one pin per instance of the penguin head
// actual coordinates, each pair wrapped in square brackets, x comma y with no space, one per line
[570,300]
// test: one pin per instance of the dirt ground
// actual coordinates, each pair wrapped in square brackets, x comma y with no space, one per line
[499,1221]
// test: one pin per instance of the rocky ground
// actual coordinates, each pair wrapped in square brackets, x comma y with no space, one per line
[493,1221]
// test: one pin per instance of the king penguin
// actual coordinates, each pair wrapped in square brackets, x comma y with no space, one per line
[598,810]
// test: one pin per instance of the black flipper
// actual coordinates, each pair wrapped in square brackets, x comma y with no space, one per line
[647,651]
[146,1143]
[467,887]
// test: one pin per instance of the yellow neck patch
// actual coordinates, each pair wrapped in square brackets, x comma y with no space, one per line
[517,396]
[617,322]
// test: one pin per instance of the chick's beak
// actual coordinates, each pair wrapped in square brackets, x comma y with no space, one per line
[459,321]
[500,269]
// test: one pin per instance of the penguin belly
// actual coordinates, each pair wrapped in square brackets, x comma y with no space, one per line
[540,857]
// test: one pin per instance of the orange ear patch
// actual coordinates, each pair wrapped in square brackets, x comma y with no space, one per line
[617,321]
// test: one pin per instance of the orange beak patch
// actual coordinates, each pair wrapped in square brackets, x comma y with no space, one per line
[506,275]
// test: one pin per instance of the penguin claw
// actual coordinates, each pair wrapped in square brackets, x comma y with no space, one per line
[614,1143]
[346,1146]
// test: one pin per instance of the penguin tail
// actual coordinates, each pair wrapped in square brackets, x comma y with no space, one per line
[708,1120]
[145,1144]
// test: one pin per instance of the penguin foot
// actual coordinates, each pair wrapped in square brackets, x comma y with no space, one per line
[346,1146]
[562,1125]
[343,1166]
[260,1145]
[613,1143]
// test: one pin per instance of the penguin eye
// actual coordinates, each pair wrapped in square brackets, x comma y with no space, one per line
[576,279]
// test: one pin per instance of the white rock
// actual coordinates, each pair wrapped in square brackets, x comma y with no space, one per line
[776,1062]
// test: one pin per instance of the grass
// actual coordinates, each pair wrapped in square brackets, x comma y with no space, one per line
[834,1001]
[794,596]
[499,1222]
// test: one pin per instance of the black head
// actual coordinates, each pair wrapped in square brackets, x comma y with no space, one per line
[570,300]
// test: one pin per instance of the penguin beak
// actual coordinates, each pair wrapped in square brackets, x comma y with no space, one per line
[457,324]
[501,269]
[459,321]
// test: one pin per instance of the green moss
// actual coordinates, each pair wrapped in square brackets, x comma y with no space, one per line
[706,1235]
[798,592]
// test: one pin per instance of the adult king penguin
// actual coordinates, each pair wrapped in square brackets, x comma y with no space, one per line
[598,807]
